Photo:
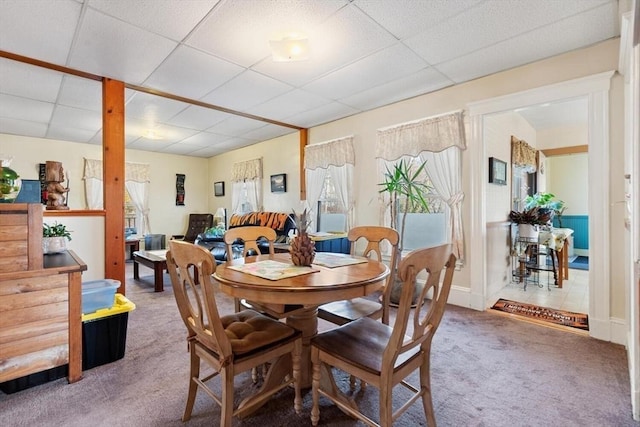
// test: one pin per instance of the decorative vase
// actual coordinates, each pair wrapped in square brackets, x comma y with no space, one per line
[10,184]
[54,245]
[303,249]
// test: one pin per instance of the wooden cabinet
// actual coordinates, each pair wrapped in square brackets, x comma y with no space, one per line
[41,299]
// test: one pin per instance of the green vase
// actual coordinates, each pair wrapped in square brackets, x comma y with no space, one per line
[10,184]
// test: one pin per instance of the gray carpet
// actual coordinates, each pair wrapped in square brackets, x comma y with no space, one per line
[487,370]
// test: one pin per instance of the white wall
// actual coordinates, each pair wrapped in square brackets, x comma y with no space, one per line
[567,179]
[498,129]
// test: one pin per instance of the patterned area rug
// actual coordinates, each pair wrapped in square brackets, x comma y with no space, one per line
[536,312]
[579,262]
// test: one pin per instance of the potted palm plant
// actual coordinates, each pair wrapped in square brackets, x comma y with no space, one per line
[54,238]
[407,190]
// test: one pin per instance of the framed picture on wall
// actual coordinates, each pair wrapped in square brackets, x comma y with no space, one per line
[218,188]
[279,183]
[497,171]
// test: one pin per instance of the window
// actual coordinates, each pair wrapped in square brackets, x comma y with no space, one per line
[422,226]
[332,214]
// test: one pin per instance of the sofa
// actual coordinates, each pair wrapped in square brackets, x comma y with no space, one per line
[282,223]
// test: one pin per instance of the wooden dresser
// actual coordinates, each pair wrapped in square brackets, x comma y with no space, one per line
[40,299]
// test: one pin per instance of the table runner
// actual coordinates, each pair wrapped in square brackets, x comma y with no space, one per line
[332,260]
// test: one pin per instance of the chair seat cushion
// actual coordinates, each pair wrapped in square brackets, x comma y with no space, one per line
[345,311]
[249,330]
[348,341]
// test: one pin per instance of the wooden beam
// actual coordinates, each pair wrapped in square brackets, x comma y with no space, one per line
[304,140]
[549,152]
[113,159]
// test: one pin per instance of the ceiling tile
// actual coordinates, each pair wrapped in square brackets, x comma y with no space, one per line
[205,139]
[66,133]
[115,49]
[404,18]
[321,115]
[195,117]
[22,127]
[562,36]
[153,109]
[288,104]
[39,29]
[76,118]
[28,81]
[173,133]
[234,125]
[169,18]
[149,144]
[13,107]
[423,81]
[246,90]
[267,132]
[388,64]
[488,23]
[240,30]
[81,93]
[191,73]
[181,149]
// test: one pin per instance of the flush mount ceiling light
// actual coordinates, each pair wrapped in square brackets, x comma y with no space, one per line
[289,49]
[152,134]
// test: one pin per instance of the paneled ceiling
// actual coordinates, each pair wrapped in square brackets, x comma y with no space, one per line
[363,54]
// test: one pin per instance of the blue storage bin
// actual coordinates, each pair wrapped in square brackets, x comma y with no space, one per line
[98,294]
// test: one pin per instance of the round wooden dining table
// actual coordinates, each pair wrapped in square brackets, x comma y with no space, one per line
[309,290]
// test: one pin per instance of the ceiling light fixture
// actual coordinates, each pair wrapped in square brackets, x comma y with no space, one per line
[289,49]
[152,134]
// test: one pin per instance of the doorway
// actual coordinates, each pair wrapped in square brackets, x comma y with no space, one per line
[559,132]
[596,90]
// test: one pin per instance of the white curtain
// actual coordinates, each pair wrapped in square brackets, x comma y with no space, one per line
[93,184]
[246,176]
[439,140]
[137,178]
[336,157]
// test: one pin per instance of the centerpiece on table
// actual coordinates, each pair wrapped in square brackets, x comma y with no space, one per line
[54,238]
[303,249]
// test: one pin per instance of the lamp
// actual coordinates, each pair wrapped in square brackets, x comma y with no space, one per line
[291,48]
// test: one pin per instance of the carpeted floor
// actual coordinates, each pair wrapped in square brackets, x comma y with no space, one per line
[486,369]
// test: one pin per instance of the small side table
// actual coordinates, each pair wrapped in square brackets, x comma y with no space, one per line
[133,245]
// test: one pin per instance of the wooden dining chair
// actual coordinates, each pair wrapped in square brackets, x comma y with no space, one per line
[230,344]
[250,236]
[345,311]
[382,355]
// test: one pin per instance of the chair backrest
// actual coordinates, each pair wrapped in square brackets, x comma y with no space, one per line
[250,236]
[375,236]
[426,317]
[154,242]
[198,223]
[196,302]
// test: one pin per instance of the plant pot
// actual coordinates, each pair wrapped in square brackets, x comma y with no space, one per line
[54,245]
[396,292]
[528,231]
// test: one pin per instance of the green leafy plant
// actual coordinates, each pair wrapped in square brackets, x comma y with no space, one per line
[407,190]
[533,216]
[544,201]
[56,230]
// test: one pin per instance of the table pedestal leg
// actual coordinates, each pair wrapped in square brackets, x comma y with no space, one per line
[306,321]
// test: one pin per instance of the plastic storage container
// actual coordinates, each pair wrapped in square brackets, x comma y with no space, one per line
[98,294]
[104,338]
[104,333]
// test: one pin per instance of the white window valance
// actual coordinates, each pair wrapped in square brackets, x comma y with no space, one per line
[337,152]
[249,170]
[433,134]
[137,172]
